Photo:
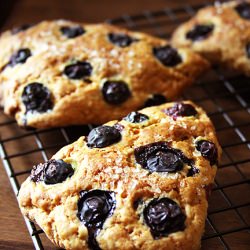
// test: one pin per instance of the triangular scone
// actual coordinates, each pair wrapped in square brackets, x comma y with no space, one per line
[221,33]
[138,183]
[61,73]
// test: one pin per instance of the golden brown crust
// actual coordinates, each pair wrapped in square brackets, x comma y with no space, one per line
[51,52]
[113,168]
[226,45]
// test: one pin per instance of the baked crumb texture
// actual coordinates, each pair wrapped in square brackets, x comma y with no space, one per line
[220,33]
[142,159]
[58,73]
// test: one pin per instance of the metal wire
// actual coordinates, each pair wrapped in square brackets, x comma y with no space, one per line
[234,91]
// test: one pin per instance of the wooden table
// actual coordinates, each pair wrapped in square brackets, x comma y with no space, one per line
[13,231]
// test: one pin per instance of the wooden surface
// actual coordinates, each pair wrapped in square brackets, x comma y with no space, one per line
[32,11]
[13,232]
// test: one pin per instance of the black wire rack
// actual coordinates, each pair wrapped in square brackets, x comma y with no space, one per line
[226,101]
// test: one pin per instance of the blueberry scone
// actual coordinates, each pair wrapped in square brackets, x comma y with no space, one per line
[138,183]
[61,73]
[221,33]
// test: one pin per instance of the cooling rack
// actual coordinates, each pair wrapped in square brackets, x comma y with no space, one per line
[226,101]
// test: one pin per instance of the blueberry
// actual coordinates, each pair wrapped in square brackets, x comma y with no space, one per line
[115,92]
[51,172]
[120,39]
[94,207]
[72,32]
[78,70]
[208,151]
[199,32]
[160,157]
[167,55]
[248,50]
[164,216]
[243,10]
[103,136]
[180,109]
[19,57]
[37,172]
[155,100]
[136,117]
[164,162]
[37,97]
[92,242]
[21,28]
[193,171]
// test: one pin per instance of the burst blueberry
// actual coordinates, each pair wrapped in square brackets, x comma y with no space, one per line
[243,9]
[200,32]
[103,136]
[163,217]
[19,57]
[78,70]
[94,207]
[120,39]
[51,172]
[160,157]
[180,109]
[115,92]
[136,117]
[37,97]
[167,55]
[72,32]
[208,151]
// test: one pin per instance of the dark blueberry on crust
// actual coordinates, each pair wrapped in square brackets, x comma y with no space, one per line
[92,242]
[199,32]
[160,157]
[208,151]
[21,28]
[167,55]
[19,57]
[164,216]
[94,207]
[72,32]
[155,100]
[103,136]
[37,172]
[193,171]
[248,50]
[120,39]
[136,117]
[167,161]
[180,109]
[51,172]
[37,97]
[243,10]
[78,70]
[115,92]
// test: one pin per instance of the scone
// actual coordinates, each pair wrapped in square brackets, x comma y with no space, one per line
[221,33]
[138,183]
[61,73]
